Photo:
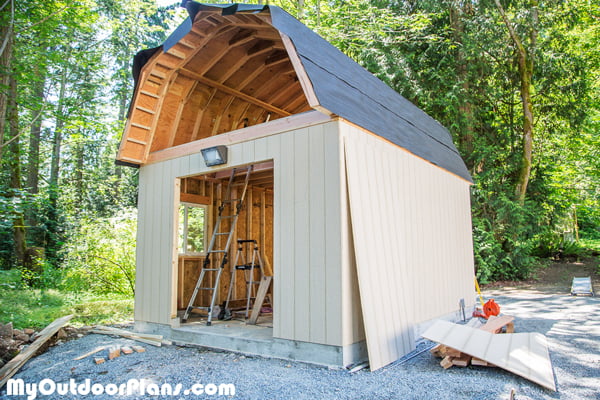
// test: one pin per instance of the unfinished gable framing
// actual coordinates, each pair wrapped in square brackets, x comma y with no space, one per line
[227,73]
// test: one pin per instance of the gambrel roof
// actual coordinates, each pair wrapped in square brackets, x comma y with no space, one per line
[229,66]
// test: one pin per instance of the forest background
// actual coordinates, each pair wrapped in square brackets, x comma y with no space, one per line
[517,83]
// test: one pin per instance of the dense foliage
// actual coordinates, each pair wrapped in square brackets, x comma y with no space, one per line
[515,81]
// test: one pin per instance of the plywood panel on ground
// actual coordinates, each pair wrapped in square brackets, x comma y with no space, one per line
[524,354]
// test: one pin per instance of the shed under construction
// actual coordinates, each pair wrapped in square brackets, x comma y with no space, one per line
[357,200]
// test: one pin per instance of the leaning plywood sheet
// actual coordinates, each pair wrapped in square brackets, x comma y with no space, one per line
[383,280]
[524,354]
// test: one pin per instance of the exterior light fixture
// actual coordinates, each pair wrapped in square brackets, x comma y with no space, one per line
[215,155]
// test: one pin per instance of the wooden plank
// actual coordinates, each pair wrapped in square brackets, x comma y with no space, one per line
[194,198]
[495,324]
[241,135]
[233,92]
[11,367]
[89,353]
[305,81]
[260,299]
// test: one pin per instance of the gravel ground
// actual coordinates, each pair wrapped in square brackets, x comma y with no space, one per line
[572,325]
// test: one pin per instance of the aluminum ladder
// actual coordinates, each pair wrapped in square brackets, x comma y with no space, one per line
[248,268]
[235,206]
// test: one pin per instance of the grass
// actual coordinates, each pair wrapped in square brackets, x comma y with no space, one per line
[36,308]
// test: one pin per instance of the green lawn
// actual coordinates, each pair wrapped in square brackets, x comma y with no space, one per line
[36,308]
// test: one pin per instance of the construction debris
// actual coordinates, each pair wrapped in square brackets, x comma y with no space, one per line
[97,349]
[138,349]
[524,354]
[18,361]
[154,340]
[114,352]
[126,350]
[99,360]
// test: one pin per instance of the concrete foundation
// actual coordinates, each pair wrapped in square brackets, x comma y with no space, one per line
[258,340]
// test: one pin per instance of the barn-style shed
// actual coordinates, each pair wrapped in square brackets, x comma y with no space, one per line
[358,200]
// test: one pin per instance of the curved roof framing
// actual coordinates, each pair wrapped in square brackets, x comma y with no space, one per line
[230,66]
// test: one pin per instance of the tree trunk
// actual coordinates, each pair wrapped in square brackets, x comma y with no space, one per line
[53,193]
[465,108]
[33,159]
[14,161]
[6,41]
[79,186]
[525,63]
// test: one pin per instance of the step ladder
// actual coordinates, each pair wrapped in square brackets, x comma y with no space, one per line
[248,269]
[234,206]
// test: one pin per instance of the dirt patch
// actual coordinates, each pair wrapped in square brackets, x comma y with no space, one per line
[555,277]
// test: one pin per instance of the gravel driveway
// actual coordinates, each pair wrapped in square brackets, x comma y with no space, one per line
[572,325]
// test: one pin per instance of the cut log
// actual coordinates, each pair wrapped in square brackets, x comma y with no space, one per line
[126,350]
[16,363]
[99,360]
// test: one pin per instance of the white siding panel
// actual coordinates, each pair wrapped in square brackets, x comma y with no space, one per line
[412,242]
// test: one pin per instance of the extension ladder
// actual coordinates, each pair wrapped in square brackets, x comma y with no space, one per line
[234,206]
[248,269]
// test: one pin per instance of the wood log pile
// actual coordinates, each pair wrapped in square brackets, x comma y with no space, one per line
[452,357]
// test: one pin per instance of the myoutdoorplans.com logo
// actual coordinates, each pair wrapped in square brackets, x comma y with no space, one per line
[48,387]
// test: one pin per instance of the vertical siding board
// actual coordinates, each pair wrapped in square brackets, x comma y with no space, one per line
[363,241]
[332,274]
[154,251]
[273,145]
[395,244]
[286,194]
[317,220]
[141,271]
[407,224]
[302,251]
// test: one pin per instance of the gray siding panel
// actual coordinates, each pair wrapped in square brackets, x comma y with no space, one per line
[306,232]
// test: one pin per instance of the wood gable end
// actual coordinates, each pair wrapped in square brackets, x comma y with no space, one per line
[227,73]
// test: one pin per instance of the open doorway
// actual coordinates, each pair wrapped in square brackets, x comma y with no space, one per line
[200,197]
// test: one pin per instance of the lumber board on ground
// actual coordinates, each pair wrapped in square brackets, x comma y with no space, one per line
[155,340]
[11,367]
[260,298]
[89,353]
[494,325]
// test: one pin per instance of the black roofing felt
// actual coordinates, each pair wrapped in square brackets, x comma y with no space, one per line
[345,88]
